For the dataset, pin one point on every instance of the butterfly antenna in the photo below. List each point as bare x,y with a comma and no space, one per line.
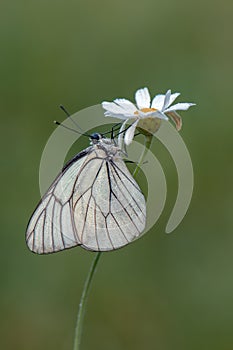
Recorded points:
66,127
123,131
65,110
70,117
114,128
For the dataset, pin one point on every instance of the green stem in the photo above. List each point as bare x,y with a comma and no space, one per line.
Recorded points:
83,301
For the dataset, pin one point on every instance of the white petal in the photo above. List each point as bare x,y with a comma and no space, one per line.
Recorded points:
114,110
173,97
155,114
130,133
127,105
121,134
179,107
142,98
166,100
112,107
113,115
158,102
160,115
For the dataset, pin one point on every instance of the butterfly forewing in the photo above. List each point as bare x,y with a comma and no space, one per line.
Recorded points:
56,231
94,202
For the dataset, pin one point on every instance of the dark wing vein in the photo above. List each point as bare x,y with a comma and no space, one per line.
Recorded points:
108,233
95,226
110,186
53,245
85,217
81,169
126,211
96,205
60,220
89,188
127,177
119,227
115,168
73,224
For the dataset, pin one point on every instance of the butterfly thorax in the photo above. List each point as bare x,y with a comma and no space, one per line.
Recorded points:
108,146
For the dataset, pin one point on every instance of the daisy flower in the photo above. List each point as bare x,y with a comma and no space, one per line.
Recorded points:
146,114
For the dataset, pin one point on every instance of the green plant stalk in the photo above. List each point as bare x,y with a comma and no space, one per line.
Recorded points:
83,301
84,297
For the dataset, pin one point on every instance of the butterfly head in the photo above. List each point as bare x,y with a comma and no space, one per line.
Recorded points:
96,137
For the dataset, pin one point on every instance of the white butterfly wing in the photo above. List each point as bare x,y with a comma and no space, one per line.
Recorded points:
94,203
51,227
109,207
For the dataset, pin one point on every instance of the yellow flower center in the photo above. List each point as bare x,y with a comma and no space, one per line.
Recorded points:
146,110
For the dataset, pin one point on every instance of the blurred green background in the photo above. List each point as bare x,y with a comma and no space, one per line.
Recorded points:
163,292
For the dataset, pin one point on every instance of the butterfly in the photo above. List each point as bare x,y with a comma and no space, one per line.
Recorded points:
94,203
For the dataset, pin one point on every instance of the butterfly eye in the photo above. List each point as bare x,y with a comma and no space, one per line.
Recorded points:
96,136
